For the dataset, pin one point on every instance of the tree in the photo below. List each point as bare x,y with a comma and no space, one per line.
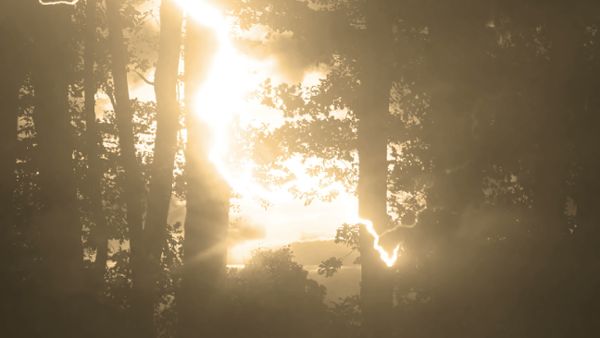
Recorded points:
272,296
134,189
13,70
153,237
94,148
372,110
58,219
359,81
161,180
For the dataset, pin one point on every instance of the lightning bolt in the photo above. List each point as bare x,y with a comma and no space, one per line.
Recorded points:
388,257
243,181
243,184
60,2
220,143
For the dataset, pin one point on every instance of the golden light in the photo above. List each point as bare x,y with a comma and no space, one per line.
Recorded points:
223,96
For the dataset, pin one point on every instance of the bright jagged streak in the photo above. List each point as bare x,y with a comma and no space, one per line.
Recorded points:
222,96
61,2
388,258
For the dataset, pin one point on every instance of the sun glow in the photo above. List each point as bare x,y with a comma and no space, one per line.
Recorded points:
219,104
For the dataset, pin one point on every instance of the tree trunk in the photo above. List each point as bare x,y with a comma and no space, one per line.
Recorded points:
207,208
11,68
9,98
587,184
161,179
455,61
373,114
167,125
550,234
134,189
94,144
58,219
552,164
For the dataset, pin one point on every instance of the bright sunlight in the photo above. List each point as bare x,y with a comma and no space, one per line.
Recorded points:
224,98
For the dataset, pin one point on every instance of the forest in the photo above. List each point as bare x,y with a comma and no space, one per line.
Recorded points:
181,168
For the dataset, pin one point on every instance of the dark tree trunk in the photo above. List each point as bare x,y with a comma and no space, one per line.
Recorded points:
553,155
12,70
58,219
134,189
373,114
161,180
587,184
207,208
456,60
9,99
94,144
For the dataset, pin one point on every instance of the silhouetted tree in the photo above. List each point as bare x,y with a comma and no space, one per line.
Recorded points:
94,147
167,120
13,69
134,188
57,220
273,297
372,110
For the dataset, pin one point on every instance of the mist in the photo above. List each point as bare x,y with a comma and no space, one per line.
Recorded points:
299,169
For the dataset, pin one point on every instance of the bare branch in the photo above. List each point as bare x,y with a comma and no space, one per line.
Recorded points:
145,79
